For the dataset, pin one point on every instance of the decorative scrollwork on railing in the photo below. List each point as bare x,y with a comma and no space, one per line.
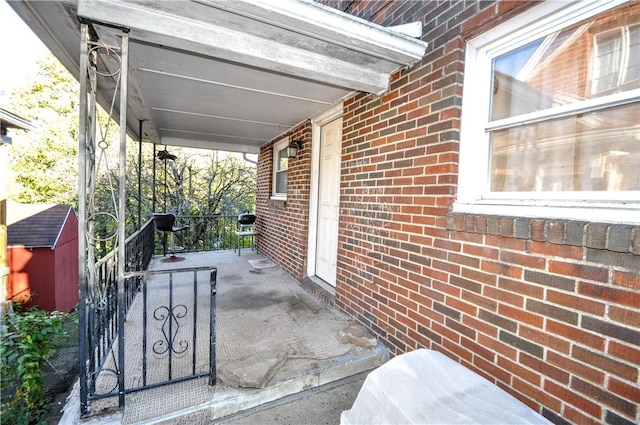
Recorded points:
170,328
105,381
104,288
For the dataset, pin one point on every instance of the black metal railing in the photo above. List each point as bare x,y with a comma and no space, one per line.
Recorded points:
100,334
138,252
205,233
102,306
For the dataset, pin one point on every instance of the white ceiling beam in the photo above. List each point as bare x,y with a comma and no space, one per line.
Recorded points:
210,144
331,25
174,31
219,117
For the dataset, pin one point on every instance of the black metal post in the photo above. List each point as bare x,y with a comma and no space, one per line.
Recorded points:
212,326
169,314
153,202
144,330
164,208
139,224
194,340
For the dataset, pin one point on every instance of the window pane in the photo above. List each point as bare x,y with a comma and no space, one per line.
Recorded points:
283,161
282,178
607,61
633,66
583,61
598,151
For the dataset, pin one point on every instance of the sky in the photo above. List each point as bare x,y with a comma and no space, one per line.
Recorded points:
20,47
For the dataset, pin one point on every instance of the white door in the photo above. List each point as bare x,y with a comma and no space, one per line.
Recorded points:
328,201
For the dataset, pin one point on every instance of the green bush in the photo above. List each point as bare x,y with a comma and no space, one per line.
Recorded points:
27,338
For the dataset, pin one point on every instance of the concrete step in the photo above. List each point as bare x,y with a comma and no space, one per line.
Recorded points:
288,381
295,379
228,403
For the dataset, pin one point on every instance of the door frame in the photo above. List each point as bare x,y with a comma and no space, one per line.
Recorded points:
316,126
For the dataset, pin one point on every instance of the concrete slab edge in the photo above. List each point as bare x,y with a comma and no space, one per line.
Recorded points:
71,412
229,405
359,377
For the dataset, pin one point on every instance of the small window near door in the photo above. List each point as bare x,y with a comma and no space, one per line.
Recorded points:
280,169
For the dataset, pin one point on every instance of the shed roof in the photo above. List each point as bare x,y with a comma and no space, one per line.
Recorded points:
35,225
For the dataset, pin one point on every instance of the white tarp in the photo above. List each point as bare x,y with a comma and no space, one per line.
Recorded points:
427,387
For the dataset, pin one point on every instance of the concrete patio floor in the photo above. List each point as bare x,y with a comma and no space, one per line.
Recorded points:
260,313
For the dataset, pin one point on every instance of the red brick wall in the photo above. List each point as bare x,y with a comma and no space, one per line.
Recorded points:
283,225
547,309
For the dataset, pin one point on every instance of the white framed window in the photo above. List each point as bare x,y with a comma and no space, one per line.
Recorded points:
280,169
550,114
616,58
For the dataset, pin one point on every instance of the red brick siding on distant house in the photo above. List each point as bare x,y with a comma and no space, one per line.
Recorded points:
549,310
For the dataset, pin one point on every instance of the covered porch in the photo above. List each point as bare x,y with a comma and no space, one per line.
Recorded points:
268,331
229,76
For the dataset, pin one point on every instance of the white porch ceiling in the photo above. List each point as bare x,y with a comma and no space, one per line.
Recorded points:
228,75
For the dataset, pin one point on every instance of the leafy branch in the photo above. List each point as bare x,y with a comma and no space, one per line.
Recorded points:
27,340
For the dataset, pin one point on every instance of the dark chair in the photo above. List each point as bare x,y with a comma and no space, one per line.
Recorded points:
246,229
165,222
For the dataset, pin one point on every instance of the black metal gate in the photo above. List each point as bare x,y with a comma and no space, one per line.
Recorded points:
168,335
176,327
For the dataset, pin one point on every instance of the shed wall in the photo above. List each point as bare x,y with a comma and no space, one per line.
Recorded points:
66,266
32,275
49,277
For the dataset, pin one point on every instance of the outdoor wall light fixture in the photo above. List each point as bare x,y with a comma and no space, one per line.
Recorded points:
293,148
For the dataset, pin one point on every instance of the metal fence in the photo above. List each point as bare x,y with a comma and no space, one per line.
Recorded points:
100,331
205,233
99,334
175,323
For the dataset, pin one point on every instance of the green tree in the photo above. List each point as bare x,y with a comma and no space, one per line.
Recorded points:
197,183
211,183
44,164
